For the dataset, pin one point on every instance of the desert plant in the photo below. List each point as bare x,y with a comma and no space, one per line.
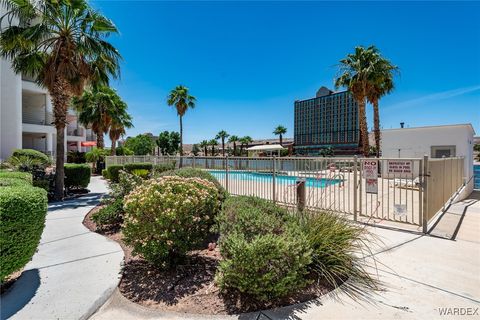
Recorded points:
198,173
129,167
22,218
110,215
142,173
42,158
77,175
168,216
339,252
265,252
126,183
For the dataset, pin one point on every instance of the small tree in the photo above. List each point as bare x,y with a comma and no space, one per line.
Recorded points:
280,131
195,149
213,143
204,144
222,135
141,145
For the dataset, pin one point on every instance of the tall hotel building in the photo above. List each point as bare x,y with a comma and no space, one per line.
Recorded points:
328,120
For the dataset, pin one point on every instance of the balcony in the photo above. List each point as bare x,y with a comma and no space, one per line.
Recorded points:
41,117
75,132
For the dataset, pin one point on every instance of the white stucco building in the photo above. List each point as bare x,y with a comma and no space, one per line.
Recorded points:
26,117
434,141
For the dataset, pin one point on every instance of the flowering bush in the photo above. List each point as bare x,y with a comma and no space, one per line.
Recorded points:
168,216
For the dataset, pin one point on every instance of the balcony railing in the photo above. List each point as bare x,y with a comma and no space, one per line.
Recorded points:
77,132
45,120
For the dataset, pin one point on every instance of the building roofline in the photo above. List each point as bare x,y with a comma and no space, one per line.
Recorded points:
332,94
436,126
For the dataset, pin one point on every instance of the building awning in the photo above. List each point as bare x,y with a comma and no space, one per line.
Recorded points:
266,147
89,143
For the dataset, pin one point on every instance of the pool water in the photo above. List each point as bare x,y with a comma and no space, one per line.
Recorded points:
268,177
476,176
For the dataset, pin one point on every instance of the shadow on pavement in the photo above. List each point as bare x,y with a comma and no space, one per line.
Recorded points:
22,291
87,200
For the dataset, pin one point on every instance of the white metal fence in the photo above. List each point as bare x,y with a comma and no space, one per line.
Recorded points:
367,188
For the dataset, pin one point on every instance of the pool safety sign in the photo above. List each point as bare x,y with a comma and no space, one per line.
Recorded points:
400,168
370,173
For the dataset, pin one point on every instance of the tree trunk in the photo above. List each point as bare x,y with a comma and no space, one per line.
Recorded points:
234,149
213,151
114,142
281,140
363,128
376,127
223,147
61,96
181,142
100,140
205,151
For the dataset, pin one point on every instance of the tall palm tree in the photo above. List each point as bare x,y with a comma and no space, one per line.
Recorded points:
280,131
234,139
380,84
119,123
62,45
204,144
356,71
222,135
213,143
244,141
182,100
97,107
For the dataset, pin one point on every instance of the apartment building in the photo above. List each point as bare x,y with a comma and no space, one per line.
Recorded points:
26,118
328,120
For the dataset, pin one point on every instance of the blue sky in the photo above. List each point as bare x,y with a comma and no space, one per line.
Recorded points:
247,62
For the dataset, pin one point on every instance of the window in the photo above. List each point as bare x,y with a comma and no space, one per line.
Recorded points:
441,151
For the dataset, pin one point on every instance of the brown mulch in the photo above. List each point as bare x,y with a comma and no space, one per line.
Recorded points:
190,287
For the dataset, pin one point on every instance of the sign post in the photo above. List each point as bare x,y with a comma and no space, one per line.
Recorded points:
370,172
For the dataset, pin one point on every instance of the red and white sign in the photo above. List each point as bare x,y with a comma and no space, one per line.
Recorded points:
370,173
400,168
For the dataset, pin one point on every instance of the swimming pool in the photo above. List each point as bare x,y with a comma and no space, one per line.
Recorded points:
476,176
268,177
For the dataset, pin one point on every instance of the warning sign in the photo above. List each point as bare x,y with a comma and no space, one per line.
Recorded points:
400,168
370,173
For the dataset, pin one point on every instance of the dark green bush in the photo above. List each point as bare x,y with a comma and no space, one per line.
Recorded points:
76,157
17,175
339,250
265,266
162,167
113,171
42,183
196,173
13,182
122,151
33,154
265,253
105,173
77,175
22,219
129,167
110,215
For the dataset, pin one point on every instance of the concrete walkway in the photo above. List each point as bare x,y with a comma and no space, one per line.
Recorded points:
74,271
422,277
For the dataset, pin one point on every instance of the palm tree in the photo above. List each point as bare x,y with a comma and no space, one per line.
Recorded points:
244,141
62,45
234,140
222,135
97,107
356,71
380,84
182,100
120,122
280,131
204,144
213,143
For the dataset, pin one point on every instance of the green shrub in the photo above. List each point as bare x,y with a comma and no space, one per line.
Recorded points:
162,167
166,217
142,173
126,183
22,219
110,215
339,248
77,175
251,216
129,167
33,154
266,266
76,157
42,183
17,175
113,171
122,151
105,173
198,173
13,182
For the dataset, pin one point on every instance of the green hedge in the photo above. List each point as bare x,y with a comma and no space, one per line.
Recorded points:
27,176
33,154
162,167
113,171
129,167
13,182
77,175
22,219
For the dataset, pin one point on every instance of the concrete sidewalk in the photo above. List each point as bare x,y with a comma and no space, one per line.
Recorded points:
423,276
74,270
